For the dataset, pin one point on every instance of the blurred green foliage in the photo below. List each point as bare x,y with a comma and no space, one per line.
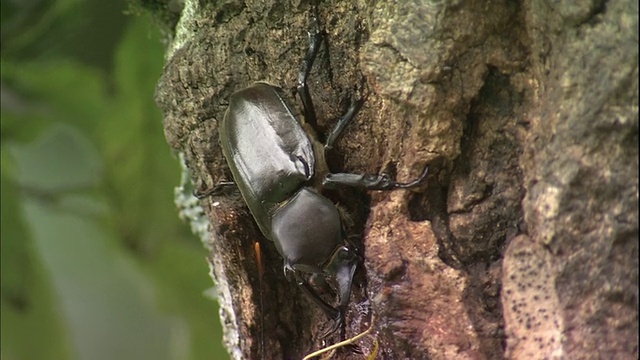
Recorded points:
95,262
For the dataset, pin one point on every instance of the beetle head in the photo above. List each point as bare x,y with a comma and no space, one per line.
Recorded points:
343,265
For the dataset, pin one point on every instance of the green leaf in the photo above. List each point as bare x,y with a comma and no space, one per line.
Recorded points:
62,160
91,240
44,91
107,303
141,170
31,326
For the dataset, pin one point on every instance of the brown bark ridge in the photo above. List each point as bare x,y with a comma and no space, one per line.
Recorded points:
524,242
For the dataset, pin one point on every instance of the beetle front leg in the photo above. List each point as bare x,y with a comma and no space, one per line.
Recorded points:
371,182
315,40
338,129
329,310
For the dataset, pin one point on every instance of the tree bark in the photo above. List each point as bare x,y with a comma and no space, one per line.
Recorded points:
524,243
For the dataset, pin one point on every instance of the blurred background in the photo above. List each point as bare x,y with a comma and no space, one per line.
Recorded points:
95,262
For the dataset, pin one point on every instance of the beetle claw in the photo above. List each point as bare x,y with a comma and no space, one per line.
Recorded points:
337,324
414,183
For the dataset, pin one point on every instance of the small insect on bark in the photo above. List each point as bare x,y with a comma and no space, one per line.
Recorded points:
281,172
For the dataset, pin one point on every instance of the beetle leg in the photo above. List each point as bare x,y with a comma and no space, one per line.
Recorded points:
371,182
220,188
343,122
315,39
331,312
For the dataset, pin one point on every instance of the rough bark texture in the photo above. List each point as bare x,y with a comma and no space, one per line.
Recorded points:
524,243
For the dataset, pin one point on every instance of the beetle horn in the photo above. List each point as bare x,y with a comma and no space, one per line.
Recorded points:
344,277
344,263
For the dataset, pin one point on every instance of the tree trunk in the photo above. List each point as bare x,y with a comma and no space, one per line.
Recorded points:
524,243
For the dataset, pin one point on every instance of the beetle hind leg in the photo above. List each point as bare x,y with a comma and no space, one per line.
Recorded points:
220,188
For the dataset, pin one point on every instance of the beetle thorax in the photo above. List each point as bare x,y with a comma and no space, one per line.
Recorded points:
307,230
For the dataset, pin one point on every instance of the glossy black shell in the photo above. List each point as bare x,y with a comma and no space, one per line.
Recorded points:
269,154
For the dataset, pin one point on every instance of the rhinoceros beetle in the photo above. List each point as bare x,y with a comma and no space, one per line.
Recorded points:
277,163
